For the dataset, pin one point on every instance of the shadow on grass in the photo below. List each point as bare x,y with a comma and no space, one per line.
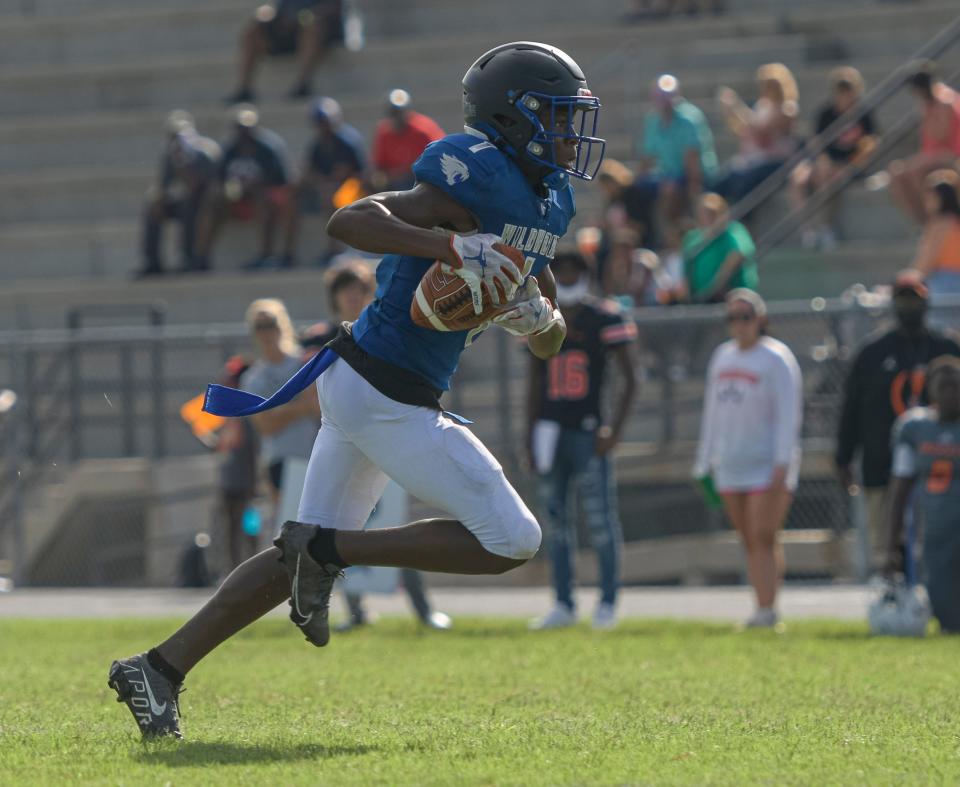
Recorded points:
517,630
845,635
190,753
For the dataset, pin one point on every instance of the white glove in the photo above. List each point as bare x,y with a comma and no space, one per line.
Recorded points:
484,260
529,313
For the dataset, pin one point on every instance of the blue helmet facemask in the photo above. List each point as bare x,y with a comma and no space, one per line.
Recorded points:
571,118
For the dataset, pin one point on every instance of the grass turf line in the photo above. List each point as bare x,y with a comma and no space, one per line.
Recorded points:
489,703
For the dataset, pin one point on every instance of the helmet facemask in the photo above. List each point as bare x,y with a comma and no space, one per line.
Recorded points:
568,118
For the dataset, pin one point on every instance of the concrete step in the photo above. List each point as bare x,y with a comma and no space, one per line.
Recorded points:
94,190
871,215
382,8
165,79
72,133
45,9
118,37
30,302
62,195
122,36
111,250
76,140
195,299
791,272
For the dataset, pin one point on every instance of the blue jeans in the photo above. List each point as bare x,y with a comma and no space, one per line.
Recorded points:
578,472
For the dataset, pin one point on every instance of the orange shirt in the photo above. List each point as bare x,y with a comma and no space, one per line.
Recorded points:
948,255
395,151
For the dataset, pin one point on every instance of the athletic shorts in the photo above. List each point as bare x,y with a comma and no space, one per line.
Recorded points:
366,437
754,480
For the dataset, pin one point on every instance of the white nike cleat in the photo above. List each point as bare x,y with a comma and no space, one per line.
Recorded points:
605,617
560,616
310,582
151,698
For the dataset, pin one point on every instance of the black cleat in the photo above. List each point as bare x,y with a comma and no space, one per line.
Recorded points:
152,699
310,582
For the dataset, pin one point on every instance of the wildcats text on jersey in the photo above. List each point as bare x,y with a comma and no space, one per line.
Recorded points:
531,239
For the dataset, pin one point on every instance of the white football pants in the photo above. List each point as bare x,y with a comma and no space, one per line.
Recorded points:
366,437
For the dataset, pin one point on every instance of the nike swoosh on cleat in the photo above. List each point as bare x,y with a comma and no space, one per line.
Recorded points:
157,710
296,595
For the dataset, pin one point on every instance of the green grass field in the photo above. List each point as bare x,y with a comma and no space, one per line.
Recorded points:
649,703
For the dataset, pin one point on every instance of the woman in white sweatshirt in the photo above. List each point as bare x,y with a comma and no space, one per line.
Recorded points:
750,440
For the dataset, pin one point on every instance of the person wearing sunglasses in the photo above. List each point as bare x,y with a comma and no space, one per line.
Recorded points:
750,441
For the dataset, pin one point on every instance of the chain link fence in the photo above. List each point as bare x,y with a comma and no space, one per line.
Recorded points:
104,483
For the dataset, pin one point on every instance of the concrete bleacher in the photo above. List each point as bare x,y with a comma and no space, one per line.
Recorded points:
87,83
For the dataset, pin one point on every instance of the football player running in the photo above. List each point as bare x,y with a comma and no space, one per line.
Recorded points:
530,124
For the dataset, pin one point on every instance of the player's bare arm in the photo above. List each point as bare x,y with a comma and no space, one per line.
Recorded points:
402,222
547,344
609,436
900,489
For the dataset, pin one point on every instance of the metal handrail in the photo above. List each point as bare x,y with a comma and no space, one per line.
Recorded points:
816,145
786,225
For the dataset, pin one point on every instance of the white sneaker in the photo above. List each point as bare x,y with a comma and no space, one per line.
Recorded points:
560,616
439,621
605,617
764,618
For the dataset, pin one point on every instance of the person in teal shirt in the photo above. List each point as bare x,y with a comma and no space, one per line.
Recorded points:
719,255
677,152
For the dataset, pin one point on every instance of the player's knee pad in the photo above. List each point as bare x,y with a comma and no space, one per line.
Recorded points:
526,537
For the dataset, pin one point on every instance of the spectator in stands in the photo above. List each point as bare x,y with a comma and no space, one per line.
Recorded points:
627,204
398,142
765,130
350,287
570,447
281,27
852,147
926,448
238,441
287,432
677,154
886,378
254,184
939,140
187,171
718,256
657,278
335,160
750,441
938,255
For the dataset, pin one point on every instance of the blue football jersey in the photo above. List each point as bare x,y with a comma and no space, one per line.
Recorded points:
488,183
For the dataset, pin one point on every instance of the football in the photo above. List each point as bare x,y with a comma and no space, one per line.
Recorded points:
443,302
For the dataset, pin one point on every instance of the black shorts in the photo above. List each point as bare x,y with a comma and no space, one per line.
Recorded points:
283,31
275,474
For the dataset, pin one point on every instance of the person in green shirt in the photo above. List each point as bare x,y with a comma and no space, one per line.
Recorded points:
718,256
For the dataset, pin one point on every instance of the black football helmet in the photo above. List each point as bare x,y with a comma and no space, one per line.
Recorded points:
525,96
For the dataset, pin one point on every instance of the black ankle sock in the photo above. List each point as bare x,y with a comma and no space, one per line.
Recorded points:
164,667
323,548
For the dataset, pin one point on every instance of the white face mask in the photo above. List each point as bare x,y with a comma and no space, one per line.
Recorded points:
572,294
